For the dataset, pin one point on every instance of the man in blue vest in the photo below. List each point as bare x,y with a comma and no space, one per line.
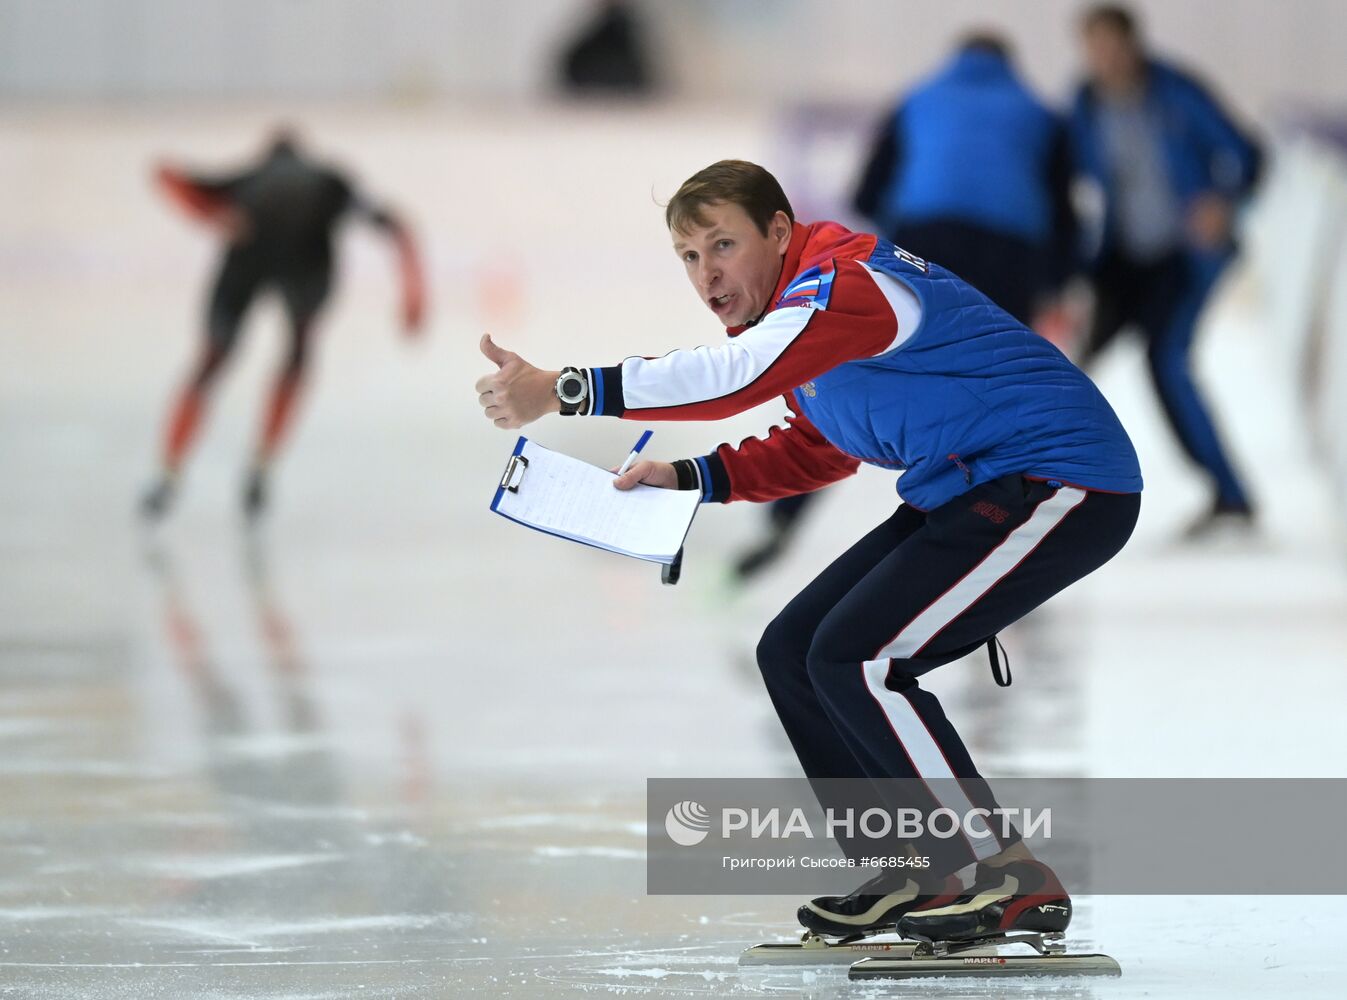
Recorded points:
1017,480
1172,166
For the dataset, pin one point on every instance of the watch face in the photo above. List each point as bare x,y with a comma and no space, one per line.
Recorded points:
572,389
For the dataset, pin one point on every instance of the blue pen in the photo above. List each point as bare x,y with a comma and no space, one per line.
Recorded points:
635,451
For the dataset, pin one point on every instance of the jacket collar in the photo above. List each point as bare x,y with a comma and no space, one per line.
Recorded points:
976,62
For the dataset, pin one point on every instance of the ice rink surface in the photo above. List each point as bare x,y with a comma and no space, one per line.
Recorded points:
394,746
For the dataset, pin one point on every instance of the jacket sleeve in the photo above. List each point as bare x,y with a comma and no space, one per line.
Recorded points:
1233,158
828,317
202,197
790,460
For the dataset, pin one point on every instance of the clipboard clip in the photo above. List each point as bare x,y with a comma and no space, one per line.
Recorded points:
514,473
669,573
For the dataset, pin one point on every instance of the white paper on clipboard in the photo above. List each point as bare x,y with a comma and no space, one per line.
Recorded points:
564,496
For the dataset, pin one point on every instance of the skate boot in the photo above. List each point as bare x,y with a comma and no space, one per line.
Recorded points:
255,494
157,500
1020,896
1222,524
878,904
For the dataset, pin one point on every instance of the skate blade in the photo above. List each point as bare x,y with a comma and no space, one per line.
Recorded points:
819,951
815,950
984,966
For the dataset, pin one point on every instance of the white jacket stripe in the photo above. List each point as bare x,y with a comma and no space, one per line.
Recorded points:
904,303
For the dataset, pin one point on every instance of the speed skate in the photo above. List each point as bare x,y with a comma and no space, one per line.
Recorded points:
882,955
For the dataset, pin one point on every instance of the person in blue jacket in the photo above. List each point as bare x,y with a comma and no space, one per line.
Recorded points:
1172,166
973,170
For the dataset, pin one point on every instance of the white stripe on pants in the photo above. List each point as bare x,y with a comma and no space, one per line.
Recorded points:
925,753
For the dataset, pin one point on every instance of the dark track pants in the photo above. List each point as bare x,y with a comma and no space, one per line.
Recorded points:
841,662
1164,300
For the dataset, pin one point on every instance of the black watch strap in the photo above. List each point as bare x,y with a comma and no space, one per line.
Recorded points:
686,470
571,408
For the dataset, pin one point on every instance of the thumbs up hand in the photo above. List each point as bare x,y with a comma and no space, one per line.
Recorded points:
516,393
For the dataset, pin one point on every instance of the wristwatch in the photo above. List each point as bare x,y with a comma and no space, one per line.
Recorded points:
572,388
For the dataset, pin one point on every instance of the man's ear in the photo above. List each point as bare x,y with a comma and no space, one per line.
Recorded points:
781,230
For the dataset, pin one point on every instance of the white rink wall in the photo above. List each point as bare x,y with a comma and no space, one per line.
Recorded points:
746,50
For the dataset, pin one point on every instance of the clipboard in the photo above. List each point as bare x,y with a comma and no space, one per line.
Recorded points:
562,496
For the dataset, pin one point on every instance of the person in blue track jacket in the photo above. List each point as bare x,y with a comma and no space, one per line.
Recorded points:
972,170
1172,167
